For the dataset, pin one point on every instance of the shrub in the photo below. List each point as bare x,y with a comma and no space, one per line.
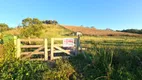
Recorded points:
3,27
62,70
34,30
15,69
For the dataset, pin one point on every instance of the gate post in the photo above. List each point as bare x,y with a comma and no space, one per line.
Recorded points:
77,45
52,49
15,44
18,48
15,41
45,50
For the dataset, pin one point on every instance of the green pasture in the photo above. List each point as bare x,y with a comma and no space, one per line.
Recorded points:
106,58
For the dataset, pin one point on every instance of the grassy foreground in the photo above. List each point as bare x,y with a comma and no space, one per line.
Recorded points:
107,58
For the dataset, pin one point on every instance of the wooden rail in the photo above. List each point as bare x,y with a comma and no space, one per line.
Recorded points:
42,48
57,48
19,46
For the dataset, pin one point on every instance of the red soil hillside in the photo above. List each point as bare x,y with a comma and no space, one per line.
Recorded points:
95,32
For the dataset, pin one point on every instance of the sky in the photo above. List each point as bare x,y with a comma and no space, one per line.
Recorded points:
113,14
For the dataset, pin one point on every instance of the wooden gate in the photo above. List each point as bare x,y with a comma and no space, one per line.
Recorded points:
41,49
59,47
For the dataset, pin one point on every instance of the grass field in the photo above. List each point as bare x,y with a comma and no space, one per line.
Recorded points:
123,42
97,32
107,58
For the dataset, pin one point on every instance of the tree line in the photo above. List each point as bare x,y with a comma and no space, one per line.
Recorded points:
30,21
138,31
50,22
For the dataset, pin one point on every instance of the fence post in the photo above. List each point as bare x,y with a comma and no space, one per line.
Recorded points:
77,44
45,49
18,48
52,48
15,41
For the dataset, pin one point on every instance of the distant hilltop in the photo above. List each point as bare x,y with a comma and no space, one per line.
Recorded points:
96,32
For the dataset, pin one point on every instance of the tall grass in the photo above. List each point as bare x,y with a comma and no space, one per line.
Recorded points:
107,58
100,64
15,69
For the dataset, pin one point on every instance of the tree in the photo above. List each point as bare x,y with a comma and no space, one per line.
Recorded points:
133,31
50,22
3,27
108,29
36,21
27,22
93,27
32,27
33,30
54,22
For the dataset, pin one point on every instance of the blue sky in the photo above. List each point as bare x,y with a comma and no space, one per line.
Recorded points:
114,14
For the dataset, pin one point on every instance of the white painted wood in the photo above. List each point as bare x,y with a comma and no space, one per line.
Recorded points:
45,49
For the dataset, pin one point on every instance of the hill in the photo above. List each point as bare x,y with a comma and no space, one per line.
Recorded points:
48,30
117,58
96,32
51,30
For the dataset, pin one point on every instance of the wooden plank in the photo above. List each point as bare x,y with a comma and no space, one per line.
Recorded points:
58,51
82,48
58,38
34,40
58,44
62,50
58,57
27,53
61,45
36,51
31,46
45,50
40,59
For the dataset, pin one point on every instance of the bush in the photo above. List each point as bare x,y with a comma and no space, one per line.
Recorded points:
15,69
34,30
62,70
9,50
3,27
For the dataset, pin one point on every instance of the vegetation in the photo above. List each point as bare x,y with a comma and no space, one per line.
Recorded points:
133,31
50,22
29,21
107,62
3,27
32,27
107,57
95,32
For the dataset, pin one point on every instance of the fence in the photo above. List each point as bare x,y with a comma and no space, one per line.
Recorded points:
64,47
43,49
37,48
